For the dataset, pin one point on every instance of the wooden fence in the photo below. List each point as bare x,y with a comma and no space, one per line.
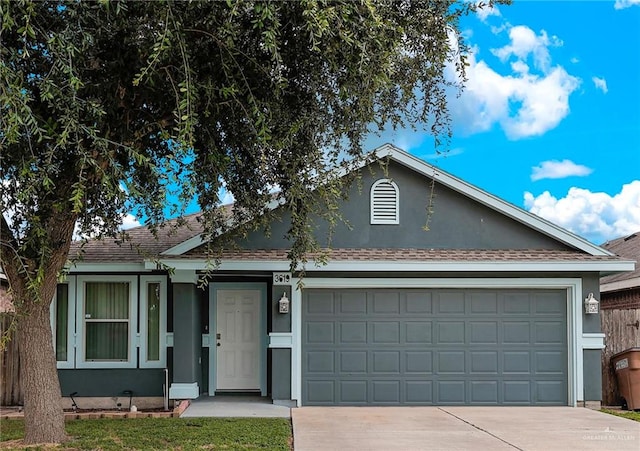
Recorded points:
620,334
10,389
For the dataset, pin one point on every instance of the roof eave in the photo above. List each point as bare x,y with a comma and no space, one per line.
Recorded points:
401,266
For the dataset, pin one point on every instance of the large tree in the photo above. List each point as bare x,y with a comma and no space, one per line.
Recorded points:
106,108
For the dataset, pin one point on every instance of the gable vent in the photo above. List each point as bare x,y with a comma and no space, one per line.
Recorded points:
385,202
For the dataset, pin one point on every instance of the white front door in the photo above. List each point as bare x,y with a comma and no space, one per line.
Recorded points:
238,340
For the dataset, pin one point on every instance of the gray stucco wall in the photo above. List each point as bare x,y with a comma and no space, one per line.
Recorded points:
187,337
101,382
592,360
457,222
281,374
280,358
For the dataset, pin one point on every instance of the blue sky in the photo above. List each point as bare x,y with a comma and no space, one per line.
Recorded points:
550,117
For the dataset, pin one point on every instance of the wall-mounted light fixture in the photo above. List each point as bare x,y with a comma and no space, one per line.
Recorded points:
591,305
283,304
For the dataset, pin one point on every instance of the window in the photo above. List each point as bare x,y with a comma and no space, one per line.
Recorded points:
94,321
63,323
107,322
106,316
153,321
385,202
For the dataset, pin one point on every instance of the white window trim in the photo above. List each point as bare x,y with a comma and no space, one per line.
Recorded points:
371,202
71,323
162,362
133,321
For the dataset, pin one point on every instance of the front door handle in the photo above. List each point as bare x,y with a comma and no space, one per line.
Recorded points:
217,344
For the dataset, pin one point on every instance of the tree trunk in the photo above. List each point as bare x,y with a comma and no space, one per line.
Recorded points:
43,414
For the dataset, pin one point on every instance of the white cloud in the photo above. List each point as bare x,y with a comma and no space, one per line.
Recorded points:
622,4
575,60
596,216
522,103
600,83
524,41
554,169
485,11
129,221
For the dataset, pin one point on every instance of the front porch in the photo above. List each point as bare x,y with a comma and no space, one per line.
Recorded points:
234,406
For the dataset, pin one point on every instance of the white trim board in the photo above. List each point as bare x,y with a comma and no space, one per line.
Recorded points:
403,266
576,342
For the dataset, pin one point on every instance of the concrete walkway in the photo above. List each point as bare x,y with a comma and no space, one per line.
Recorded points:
236,407
461,428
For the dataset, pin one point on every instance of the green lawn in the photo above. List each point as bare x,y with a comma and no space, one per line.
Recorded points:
165,433
630,414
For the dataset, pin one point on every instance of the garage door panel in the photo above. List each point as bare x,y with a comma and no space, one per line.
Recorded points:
516,332
483,362
431,347
353,391
548,391
516,304
320,332
354,362
385,392
320,362
451,362
484,392
517,392
418,332
547,304
549,362
483,332
418,362
320,302
353,303
450,332
353,332
321,392
418,303
451,303
386,362
450,392
387,332
385,303
483,303
516,362
549,332
418,392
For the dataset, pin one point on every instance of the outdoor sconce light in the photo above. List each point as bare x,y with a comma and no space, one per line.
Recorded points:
591,304
283,304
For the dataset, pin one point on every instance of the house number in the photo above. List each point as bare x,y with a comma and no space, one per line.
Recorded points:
282,278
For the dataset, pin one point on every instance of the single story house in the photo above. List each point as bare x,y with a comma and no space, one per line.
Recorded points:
484,308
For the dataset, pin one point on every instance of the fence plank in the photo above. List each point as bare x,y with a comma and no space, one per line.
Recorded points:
10,388
618,337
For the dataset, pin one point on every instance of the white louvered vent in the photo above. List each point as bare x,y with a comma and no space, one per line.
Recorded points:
385,201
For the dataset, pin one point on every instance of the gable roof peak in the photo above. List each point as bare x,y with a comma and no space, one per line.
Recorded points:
514,212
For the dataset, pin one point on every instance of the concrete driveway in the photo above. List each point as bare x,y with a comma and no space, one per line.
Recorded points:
461,428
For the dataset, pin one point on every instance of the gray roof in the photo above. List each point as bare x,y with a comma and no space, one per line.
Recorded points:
138,243
627,247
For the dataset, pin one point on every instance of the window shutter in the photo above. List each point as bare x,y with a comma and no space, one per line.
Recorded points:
385,203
